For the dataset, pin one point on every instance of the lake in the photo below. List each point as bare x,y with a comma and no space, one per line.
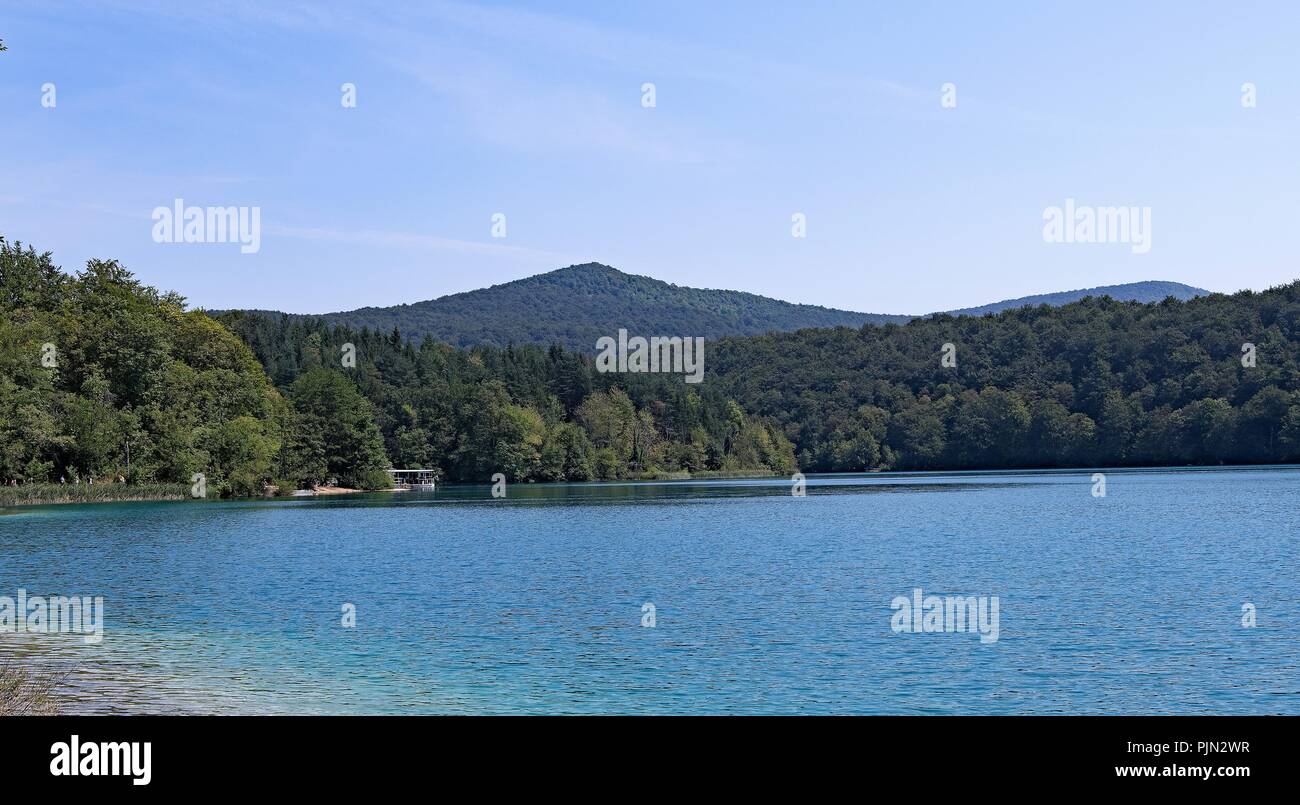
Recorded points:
763,602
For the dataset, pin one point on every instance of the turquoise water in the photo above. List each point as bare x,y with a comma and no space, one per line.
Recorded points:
764,602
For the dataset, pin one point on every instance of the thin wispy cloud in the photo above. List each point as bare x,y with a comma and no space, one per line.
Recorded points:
417,241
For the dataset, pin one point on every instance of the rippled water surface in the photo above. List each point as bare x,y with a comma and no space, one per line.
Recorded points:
764,602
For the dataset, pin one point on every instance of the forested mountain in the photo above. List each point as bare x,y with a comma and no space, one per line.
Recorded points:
102,377
575,306
1096,382
1093,383
1151,291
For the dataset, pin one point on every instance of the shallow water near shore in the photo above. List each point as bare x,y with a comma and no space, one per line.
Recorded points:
763,602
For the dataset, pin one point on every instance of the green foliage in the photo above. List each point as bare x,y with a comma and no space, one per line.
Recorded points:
1094,383
104,378
284,487
532,414
141,391
343,439
87,493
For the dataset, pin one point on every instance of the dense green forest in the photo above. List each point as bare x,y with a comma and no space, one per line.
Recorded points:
1094,383
533,414
102,377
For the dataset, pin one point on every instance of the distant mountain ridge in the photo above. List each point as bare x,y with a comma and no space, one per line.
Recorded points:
1149,291
576,305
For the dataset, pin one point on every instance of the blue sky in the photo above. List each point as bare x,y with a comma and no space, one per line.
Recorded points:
762,110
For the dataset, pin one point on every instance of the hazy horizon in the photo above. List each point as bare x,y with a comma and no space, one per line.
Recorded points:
916,197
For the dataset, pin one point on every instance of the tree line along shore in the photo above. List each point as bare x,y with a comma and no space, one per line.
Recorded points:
105,378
